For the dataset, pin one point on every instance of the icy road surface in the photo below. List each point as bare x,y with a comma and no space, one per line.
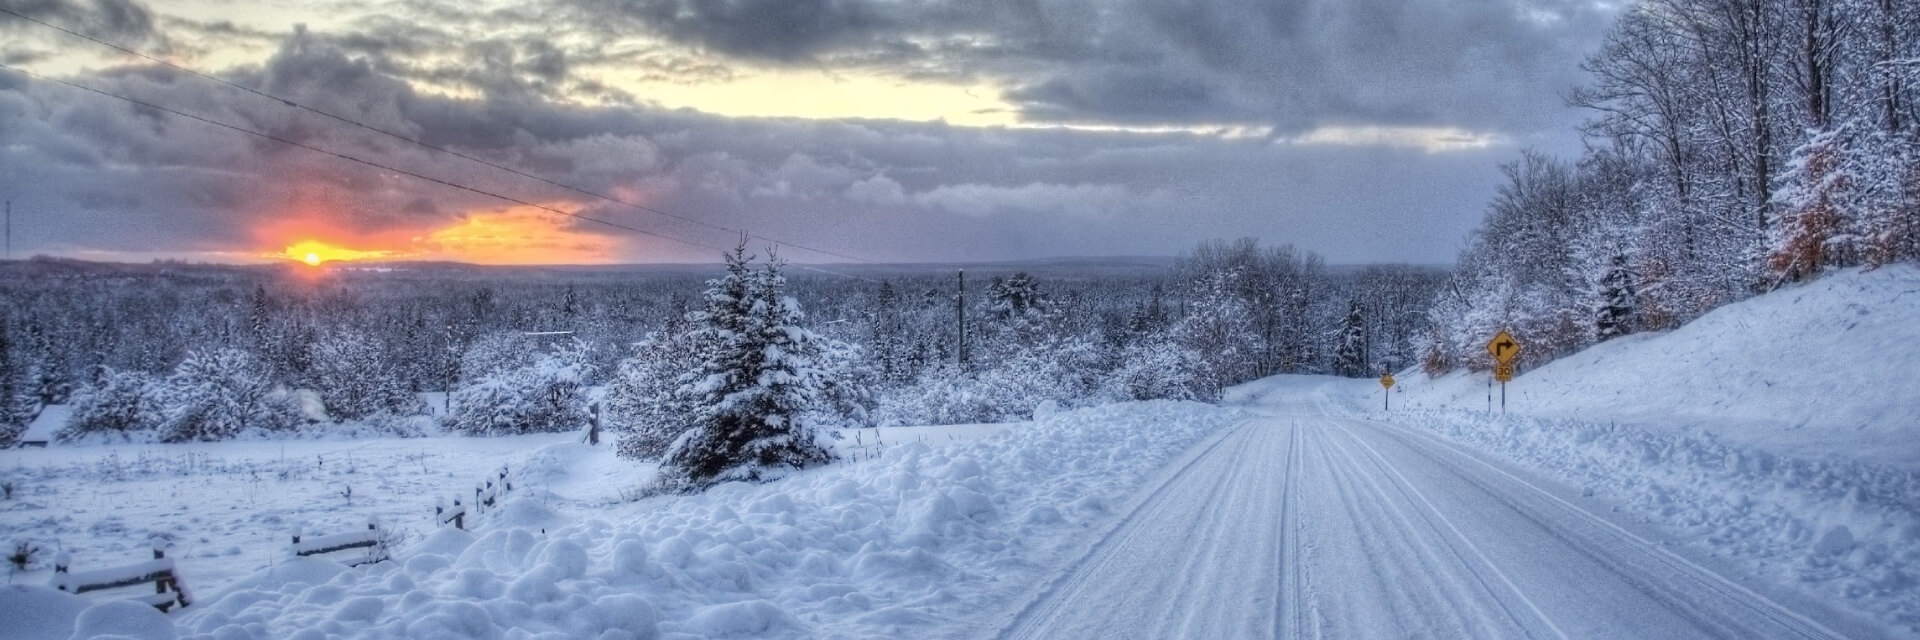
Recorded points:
1305,526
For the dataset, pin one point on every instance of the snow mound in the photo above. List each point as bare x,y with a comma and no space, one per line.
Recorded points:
39,612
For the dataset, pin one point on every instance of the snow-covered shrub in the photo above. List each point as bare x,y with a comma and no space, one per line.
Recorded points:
1068,373
217,394
496,352
1159,370
25,555
646,400
116,403
762,375
548,395
846,393
356,380
942,395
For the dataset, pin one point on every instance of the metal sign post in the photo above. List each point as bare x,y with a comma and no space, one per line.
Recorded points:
1386,391
1503,348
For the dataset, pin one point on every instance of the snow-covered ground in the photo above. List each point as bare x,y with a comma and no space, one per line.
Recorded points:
1781,433
1819,370
922,533
1748,475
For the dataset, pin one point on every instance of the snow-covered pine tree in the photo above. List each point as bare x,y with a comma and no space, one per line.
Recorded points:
761,376
890,350
1350,358
13,422
1014,296
1614,318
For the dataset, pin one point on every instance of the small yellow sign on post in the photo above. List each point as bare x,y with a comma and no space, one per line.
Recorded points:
1386,380
1503,372
1503,347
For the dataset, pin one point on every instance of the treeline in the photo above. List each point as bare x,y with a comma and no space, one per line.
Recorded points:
1735,146
184,352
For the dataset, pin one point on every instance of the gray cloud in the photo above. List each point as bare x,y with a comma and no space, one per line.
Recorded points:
1294,64
120,20
106,175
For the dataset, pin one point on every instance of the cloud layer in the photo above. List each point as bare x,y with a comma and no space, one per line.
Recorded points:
1378,125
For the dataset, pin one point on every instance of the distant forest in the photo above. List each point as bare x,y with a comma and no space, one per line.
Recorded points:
137,344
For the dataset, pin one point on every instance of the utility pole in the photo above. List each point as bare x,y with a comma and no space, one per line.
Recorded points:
9,229
960,309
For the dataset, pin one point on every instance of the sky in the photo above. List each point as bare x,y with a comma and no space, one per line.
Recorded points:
632,131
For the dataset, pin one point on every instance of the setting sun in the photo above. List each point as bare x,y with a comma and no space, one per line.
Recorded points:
314,252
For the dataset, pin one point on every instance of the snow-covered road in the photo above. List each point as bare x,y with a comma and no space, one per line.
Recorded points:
1299,525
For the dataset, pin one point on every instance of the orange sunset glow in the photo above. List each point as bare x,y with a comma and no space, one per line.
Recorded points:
509,236
314,252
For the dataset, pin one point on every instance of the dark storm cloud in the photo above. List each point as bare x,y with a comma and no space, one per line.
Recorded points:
784,30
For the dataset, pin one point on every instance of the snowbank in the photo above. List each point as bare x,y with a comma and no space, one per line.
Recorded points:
1781,431
1821,370
922,540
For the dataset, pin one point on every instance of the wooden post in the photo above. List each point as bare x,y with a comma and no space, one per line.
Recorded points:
593,430
960,308
160,586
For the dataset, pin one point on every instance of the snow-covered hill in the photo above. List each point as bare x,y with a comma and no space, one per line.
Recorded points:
1820,370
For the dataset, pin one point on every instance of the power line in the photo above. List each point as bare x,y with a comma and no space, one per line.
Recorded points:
354,159
427,145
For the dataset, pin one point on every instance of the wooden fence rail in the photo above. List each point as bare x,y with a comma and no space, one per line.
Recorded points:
366,543
486,495
167,586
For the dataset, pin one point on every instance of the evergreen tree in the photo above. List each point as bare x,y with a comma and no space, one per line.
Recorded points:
1350,359
1014,297
13,421
1615,316
762,374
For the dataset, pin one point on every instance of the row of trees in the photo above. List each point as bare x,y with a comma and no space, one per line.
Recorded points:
356,348
1735,146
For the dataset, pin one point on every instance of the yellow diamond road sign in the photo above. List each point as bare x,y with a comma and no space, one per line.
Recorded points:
1503,347
1386,380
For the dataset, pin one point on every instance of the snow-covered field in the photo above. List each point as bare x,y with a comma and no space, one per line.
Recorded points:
927,531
